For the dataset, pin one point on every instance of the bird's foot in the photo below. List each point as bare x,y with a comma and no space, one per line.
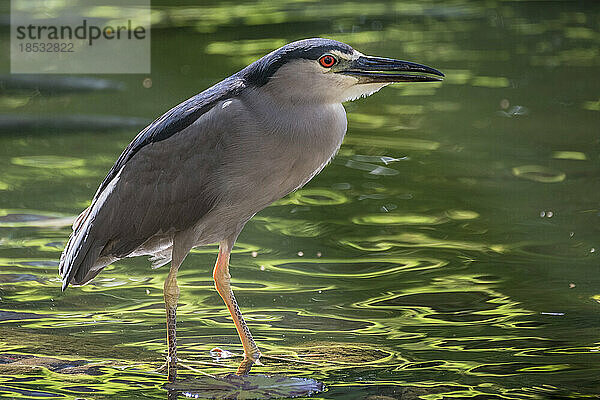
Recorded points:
247,363
163,368
196,370
170,368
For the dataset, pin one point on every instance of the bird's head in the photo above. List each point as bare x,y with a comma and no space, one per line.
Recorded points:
328,71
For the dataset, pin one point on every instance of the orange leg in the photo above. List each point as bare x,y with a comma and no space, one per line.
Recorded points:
222,283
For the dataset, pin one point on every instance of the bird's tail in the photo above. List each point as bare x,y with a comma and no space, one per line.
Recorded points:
78,259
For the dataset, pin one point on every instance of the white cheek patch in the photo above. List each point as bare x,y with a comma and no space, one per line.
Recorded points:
306,80
346,56
362,90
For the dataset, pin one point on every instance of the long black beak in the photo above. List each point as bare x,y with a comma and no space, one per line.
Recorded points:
387,70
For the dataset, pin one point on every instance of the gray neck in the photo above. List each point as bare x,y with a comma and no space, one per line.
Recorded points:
321,124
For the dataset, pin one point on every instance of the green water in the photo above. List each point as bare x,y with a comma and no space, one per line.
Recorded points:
451,250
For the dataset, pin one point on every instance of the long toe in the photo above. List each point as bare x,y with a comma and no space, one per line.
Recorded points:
162,369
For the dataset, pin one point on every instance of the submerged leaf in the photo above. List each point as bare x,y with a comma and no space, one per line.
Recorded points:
538,173
246,387
569,155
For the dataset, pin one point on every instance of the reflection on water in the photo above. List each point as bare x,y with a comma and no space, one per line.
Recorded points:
449,251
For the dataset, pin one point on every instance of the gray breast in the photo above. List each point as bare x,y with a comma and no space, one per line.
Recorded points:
268,153
213,176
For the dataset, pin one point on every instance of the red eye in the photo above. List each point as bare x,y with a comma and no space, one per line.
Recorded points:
327,60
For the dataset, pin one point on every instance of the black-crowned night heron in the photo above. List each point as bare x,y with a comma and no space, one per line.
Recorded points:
198,173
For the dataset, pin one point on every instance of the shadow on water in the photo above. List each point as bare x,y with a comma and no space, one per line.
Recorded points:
449,251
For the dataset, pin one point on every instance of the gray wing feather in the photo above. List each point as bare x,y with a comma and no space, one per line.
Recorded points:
163,181
174,121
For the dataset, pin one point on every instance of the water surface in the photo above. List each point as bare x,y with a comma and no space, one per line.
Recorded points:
450,250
